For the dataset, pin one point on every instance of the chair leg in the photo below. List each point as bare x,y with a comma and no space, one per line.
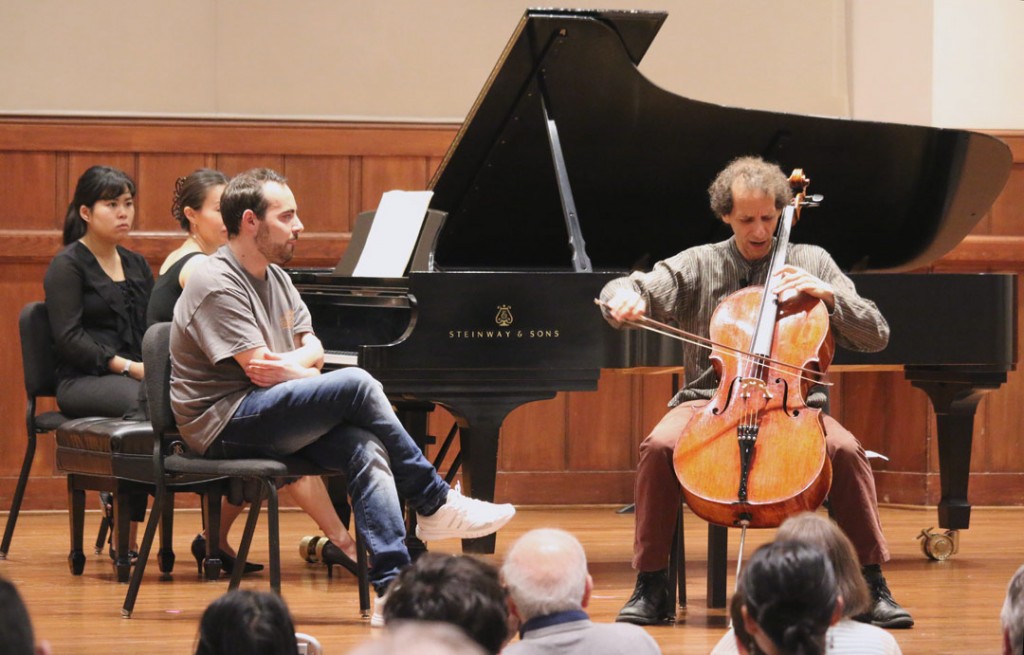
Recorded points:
159,501
165,557
363,574
76,518
718,563
19,493
122,535
273,537
242,555
106,524
211,512
677,563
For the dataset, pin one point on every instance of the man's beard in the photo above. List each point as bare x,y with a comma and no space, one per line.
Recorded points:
275,253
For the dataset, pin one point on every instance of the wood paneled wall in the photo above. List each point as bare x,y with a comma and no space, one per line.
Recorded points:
576,448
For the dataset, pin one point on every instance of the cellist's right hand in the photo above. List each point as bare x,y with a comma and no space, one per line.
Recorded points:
626,305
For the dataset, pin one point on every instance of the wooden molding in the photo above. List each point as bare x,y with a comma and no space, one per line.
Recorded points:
256,137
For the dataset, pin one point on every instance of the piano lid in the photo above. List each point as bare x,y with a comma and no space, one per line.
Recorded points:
639,161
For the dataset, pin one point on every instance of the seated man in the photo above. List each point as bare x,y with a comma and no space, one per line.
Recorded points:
549,588
452,589
685,290
246,382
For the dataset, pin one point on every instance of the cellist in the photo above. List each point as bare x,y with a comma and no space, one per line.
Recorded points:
684,290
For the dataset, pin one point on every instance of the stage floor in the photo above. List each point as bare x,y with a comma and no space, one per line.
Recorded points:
955,603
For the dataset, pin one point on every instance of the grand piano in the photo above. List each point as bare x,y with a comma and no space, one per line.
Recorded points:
572,168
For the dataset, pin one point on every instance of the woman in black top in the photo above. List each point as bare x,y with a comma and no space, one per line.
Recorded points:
196,207
96,297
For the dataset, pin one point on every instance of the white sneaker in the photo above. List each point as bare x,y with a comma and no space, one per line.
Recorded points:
377,618
463,518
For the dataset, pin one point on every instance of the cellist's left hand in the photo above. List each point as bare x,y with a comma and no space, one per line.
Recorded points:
792,279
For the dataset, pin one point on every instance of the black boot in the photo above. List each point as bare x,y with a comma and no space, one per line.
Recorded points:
884,612
649,604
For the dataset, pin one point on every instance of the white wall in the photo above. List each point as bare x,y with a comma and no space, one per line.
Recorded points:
948,63
891,60
385,59
979,64
945,62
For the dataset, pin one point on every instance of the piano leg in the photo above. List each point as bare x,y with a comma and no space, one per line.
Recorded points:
955,396
479,445
479,421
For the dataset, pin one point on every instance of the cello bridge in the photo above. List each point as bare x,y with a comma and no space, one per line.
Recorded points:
751,387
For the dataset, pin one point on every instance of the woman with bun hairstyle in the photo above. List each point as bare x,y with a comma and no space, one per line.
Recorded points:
790,598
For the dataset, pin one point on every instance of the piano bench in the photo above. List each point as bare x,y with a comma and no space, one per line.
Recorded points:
112,455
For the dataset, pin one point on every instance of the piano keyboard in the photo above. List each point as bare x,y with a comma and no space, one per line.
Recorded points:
341,358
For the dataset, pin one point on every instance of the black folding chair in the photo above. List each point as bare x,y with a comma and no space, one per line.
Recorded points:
40,372
174,465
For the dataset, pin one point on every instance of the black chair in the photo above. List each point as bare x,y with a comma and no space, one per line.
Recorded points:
174,465
40,372
718,560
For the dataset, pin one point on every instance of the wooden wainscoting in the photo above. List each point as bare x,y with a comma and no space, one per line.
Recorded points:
335,169
576,448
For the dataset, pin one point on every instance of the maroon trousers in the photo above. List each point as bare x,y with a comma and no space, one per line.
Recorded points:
852,496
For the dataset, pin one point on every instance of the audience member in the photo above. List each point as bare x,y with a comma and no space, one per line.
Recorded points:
847,635
790,598
421,638
737,635
549,588
16,635
247,623
454,589
1012,616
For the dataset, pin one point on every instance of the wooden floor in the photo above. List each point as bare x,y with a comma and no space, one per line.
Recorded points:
955,603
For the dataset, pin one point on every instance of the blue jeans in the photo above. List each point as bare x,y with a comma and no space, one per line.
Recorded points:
343,422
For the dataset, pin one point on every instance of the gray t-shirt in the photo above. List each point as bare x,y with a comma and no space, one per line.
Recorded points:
222,312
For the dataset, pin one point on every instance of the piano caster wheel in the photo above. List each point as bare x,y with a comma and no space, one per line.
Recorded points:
939,547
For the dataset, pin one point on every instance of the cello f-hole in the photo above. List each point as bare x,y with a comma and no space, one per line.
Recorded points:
728,399
785,398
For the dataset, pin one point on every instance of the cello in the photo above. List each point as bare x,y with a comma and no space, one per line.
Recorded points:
755,453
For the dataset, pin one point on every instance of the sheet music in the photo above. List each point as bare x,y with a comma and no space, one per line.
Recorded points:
392,238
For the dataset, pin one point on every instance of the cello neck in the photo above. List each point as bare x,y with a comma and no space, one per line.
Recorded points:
762,340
